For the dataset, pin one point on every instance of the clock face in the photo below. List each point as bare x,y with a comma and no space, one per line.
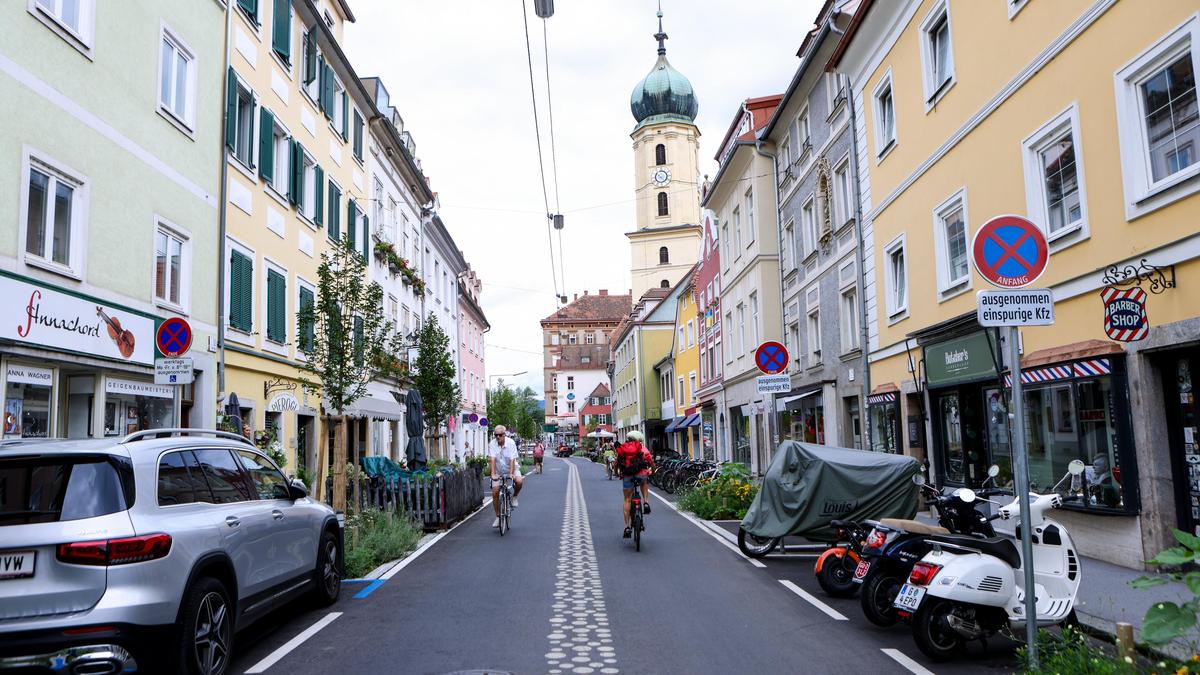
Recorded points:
662,177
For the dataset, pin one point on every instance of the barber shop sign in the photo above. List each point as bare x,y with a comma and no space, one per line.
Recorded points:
1125,317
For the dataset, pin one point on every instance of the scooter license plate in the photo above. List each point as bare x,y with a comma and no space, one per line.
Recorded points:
860,572
909,597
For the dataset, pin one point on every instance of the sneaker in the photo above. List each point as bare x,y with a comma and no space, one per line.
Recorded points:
628,533
646,508
515,504
496,523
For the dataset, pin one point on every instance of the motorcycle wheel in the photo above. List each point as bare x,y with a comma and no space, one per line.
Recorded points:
837,576
934,637
878,593
755,546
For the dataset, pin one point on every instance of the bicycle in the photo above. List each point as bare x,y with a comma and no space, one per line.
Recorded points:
635,517
506,491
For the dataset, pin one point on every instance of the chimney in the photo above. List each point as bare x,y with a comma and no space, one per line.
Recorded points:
576,296
585,292
603,291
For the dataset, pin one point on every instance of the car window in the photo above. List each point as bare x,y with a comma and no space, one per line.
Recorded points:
225,477
268,482
181,480
52,489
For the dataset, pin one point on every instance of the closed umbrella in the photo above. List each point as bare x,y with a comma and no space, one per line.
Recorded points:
414,424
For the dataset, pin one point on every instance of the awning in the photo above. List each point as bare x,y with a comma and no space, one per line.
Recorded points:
372,408
790,402
692,421
675,424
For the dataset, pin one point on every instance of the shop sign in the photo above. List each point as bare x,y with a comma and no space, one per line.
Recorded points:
959,360
50,318
18,374
1125,318
173,371
285,402
115,385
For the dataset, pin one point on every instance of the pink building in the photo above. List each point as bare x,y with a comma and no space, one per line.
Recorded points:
711,395
472,324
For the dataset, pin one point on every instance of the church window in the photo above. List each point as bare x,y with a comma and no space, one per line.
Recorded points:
662,204
660,154
663,256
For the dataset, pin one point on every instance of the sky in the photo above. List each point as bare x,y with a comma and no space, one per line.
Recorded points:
458,72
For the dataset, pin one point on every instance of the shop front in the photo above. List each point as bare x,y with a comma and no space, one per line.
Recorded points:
1180,374
708,436
883,414
956,371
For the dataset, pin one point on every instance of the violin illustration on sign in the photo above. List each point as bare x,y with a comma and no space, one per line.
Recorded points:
122,337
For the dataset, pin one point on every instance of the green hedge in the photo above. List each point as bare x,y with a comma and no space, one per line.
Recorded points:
727,496
375,537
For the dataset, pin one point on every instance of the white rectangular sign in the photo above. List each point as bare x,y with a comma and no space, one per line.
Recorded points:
1025,307
773,384
18,374
114,385
173,371
47,317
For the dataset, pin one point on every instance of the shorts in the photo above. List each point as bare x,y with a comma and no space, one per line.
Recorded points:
629,481
537,460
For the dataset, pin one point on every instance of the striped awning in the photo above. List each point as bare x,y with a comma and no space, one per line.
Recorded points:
1089,368
691,421
675,424
886,397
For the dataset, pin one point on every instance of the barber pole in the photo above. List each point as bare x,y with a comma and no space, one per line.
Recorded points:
1125,317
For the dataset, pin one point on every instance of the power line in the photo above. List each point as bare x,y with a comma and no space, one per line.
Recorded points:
513,349
553,152
537,131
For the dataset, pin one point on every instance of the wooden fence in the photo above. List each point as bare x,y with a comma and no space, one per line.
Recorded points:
436,499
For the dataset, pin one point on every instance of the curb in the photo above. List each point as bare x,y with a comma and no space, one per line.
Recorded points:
382,569
1106,629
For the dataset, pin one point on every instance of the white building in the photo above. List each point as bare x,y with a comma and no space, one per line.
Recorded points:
441,265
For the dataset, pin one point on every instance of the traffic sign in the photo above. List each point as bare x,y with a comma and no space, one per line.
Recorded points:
173,371
173,337
771,357
773,384
1125,317
1025,307
1010,251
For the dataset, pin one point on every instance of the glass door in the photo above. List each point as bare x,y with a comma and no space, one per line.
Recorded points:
950,429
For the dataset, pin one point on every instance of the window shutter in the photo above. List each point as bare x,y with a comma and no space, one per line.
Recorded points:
250,7
319,195
276,305
358,135
335,212
345,103
294,160
351,221
366,240
310,57
253,111
358,341
230,109
281,29
323,90
241,299
266,143
307,332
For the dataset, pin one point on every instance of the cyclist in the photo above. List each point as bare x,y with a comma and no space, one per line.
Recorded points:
635,463
502,456
609,458
539,451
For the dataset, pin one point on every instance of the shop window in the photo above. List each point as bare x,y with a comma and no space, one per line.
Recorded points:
885,426
131,406
27,402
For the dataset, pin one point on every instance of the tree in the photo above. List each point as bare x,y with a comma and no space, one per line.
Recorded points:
436,376
344,338
516,409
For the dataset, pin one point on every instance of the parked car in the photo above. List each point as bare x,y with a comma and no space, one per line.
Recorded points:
563,451
150,552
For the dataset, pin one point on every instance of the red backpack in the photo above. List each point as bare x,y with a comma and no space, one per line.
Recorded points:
631,458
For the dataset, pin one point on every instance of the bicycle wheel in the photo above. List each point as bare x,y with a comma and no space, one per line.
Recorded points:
637,531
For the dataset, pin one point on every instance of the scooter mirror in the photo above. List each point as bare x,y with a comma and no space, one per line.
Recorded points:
919,479
994,470
965,494
1075,467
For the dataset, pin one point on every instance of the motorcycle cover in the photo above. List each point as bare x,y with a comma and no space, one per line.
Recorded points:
808,485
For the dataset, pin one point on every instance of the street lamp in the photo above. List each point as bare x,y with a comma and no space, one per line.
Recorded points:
504,375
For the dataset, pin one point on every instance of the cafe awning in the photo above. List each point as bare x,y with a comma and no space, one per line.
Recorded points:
675,424
372,408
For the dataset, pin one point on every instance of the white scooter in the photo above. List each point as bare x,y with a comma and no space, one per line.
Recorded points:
967,588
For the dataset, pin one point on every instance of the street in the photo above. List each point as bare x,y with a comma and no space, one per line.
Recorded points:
562,592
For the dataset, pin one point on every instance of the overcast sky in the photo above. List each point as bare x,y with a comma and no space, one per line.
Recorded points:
457,72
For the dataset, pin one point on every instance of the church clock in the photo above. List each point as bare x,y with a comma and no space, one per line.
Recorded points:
662,177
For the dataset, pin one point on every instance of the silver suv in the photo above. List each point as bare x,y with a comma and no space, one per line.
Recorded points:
111,550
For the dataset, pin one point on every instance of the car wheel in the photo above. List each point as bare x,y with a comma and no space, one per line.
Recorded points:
206,630
327,580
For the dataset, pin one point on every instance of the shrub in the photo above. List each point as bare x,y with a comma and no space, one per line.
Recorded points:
380,537
479,461
728,495
1070,651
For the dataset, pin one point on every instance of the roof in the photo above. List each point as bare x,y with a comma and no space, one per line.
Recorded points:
600,307
848,35
664,95
582,357
761,109
600,390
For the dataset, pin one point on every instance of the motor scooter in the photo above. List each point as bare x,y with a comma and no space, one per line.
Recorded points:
969,588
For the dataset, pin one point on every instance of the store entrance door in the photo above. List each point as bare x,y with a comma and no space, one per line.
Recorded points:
1180,375
959,426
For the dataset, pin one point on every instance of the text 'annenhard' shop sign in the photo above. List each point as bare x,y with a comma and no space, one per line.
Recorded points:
47,317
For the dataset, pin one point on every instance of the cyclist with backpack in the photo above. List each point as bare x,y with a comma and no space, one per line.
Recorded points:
635,463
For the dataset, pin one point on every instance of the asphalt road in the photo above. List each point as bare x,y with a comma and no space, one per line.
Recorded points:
562,592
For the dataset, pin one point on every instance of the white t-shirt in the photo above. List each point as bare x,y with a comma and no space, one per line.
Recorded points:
503,454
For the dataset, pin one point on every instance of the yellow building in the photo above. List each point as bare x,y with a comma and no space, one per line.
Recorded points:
1082,116
685,428
295,183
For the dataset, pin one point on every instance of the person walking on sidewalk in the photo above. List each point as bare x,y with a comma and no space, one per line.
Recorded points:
503,458
635,463
539,451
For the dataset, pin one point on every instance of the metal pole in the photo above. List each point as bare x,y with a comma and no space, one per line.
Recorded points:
1016,416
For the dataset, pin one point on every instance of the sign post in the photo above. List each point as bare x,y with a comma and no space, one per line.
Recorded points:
173,338
1010,252
772,358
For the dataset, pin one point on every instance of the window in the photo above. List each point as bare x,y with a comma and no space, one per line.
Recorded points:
55,213
896,281
177,80
789,247
268,482
750,215
1054,185
691,334
311,200
180,480
358,137
660,154
311,67
664,256
570,406
275,155
554,338
682,339
571,339
338,109
691,386
814,336
241,290
808,221
833,90
950,235
804,133
250,9
590,339
937,53
737,231
885,116
239,122
843,203
168,266
849,312
276,306
334,216
741,315
793,341
725,241
680,398
665,283
785,159
662,204
754,319
226,481
570,383
71,19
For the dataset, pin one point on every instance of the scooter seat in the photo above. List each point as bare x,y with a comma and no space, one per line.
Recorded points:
1000,547
912,526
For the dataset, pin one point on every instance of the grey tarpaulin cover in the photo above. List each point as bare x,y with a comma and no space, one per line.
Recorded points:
414,424
808,485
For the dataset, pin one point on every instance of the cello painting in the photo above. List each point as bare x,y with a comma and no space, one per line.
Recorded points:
121,336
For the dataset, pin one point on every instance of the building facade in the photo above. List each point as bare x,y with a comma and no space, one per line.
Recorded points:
597,409
744,209
443,265
714,429
1107,168
473,324
112,185
640,342
684,431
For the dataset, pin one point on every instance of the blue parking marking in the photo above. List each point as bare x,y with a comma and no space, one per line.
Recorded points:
369,589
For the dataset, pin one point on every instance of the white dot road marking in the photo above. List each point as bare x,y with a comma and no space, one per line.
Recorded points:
704,529
912,666
290,645
829,611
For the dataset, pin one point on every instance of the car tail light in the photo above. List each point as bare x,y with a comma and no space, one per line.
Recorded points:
923,573
876,539
116,551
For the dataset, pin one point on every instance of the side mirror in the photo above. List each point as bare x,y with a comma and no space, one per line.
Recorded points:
298,489
994,470
965,494
1075,467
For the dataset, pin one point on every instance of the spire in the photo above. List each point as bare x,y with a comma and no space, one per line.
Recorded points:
660,35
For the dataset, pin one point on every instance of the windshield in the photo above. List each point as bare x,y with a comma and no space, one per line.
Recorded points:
52,489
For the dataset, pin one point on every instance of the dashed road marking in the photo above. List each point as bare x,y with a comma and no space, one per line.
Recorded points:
290,645
812,600
903,659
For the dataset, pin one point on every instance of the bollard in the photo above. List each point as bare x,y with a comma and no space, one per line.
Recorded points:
1125,644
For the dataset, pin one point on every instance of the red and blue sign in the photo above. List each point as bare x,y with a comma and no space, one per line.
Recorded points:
1010,251
1125,318
771,357
173,337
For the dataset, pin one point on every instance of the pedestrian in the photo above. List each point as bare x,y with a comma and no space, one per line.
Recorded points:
538,451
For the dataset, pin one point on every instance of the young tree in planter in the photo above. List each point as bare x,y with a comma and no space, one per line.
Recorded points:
345,339
436,376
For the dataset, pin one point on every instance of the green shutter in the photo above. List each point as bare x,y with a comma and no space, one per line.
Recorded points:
326,89
266,142
241,291
358,135
230,109
366,240
250,147
358,341
310,57
281,29
251,8
319,196
276,307
335,212
294,159
307,332
351,221
345,103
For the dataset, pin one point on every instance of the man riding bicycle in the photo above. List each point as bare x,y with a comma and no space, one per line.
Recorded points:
609,458
635,463
503,457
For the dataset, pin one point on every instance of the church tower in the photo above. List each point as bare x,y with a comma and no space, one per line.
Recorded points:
666,168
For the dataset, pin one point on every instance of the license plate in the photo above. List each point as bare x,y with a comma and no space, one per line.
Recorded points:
909,597
860,572
17,564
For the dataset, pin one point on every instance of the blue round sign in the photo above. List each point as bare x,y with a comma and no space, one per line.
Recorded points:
173,337
483,421
570,397
771,357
